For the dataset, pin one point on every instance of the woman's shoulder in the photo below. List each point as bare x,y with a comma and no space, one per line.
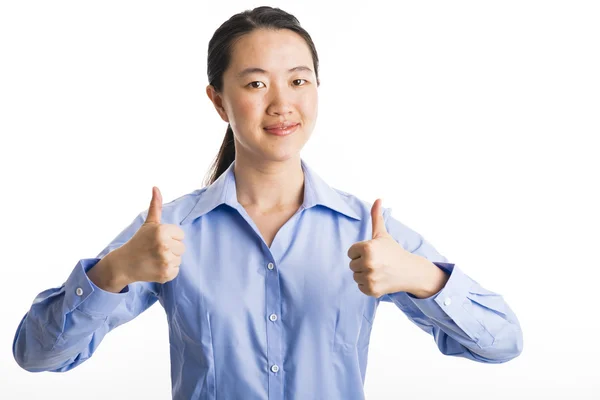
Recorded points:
361,207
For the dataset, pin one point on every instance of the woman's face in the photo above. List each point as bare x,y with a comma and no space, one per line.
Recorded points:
270,80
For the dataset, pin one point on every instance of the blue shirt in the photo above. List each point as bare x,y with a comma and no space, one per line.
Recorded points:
253,322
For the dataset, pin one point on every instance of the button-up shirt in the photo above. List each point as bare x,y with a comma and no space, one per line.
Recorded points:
256,322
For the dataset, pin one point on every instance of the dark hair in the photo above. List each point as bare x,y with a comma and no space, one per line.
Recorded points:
219,56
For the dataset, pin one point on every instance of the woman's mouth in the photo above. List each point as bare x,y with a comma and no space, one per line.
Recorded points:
282,130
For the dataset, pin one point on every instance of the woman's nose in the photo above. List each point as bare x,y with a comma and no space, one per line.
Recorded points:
281,102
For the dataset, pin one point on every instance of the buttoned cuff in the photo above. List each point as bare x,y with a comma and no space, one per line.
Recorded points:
82,294
451,303
448,301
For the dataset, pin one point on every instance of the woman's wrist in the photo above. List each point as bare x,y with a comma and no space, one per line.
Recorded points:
108,274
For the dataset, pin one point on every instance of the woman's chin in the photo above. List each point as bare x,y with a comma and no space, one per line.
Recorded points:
283,153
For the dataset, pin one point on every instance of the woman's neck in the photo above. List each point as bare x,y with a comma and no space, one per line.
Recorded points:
267,185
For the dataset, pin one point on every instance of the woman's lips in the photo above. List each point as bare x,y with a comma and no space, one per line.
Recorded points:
282,131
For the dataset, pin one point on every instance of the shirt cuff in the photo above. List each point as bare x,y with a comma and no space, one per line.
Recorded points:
448,301
82,294
448,304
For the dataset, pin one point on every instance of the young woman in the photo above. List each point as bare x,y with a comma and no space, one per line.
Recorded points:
269,277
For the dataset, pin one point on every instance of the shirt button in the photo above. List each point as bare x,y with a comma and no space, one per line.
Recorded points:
270,266
273,317
79,291
274,368
447,301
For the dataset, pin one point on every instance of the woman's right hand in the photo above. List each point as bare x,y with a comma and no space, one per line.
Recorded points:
154,252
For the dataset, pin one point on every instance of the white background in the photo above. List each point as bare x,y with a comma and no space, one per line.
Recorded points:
476,121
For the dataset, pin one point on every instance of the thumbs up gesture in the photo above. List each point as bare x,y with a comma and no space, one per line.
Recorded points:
381,265
154,253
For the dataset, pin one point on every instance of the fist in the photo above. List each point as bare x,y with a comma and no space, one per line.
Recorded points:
154,253
381,265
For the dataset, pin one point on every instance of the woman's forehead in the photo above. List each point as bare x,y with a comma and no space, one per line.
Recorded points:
270,50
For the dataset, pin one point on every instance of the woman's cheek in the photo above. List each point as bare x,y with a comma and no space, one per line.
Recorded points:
248,108
309,103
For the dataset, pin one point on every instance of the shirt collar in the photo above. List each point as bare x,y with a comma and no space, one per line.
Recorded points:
223,191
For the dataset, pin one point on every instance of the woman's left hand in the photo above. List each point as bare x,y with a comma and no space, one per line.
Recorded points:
382,266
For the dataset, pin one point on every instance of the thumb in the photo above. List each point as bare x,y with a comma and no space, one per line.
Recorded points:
155,210
378,221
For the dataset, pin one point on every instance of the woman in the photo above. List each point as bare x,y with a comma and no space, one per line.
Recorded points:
270,278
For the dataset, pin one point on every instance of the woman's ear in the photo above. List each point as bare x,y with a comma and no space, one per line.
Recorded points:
217,101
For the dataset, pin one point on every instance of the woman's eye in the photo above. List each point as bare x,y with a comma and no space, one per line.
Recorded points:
257,84
254,84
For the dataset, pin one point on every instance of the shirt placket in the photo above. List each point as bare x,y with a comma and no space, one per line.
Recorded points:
274,332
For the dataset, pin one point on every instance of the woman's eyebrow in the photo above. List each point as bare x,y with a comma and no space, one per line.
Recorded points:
255,70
